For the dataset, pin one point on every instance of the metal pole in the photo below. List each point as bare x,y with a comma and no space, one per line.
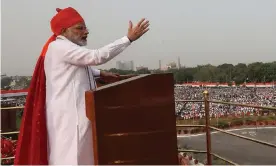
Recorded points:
217,121
208,135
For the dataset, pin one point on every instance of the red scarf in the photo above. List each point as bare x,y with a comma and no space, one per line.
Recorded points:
32,142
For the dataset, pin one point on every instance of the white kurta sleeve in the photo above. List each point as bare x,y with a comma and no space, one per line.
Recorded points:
82,56
96,72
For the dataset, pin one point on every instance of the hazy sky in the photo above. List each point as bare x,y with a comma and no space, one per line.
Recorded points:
198,31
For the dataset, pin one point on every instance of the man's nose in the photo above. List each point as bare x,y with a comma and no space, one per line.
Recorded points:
86,32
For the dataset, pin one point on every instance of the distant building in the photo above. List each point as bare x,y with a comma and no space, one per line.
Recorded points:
179,64
13,83
141,68
172,65
164,68
128,65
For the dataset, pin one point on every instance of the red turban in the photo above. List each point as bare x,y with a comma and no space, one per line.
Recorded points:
64,19
32,140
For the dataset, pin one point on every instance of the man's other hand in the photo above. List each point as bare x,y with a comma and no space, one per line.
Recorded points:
139,30
107,76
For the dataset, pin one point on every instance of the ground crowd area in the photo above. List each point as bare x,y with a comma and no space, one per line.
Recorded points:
254,96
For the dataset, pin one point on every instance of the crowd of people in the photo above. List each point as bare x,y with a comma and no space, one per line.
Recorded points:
13,101
18,101
189,110
254,96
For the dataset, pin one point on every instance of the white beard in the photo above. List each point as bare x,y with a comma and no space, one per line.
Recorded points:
81,43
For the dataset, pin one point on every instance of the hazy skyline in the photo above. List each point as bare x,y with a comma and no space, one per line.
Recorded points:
198,31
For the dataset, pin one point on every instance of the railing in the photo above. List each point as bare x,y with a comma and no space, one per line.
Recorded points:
207,127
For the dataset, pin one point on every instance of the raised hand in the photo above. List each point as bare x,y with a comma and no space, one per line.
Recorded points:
139,30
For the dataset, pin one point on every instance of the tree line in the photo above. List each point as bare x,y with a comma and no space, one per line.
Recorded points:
225,73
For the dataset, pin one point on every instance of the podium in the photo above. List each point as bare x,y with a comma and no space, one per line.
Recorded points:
133,121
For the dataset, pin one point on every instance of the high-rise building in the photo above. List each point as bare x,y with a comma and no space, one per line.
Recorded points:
128,65
131,65
179,64
160,65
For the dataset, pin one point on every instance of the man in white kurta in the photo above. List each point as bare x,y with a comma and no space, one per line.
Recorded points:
68,75
67,80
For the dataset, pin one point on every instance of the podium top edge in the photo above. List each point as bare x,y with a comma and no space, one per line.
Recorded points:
129,79
122,81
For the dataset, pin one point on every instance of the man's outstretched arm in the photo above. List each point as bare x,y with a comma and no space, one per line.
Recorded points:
81,56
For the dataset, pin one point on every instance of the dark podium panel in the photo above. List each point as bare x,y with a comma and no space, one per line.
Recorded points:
134,121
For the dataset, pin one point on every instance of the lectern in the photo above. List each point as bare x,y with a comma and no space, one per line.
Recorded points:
133,121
